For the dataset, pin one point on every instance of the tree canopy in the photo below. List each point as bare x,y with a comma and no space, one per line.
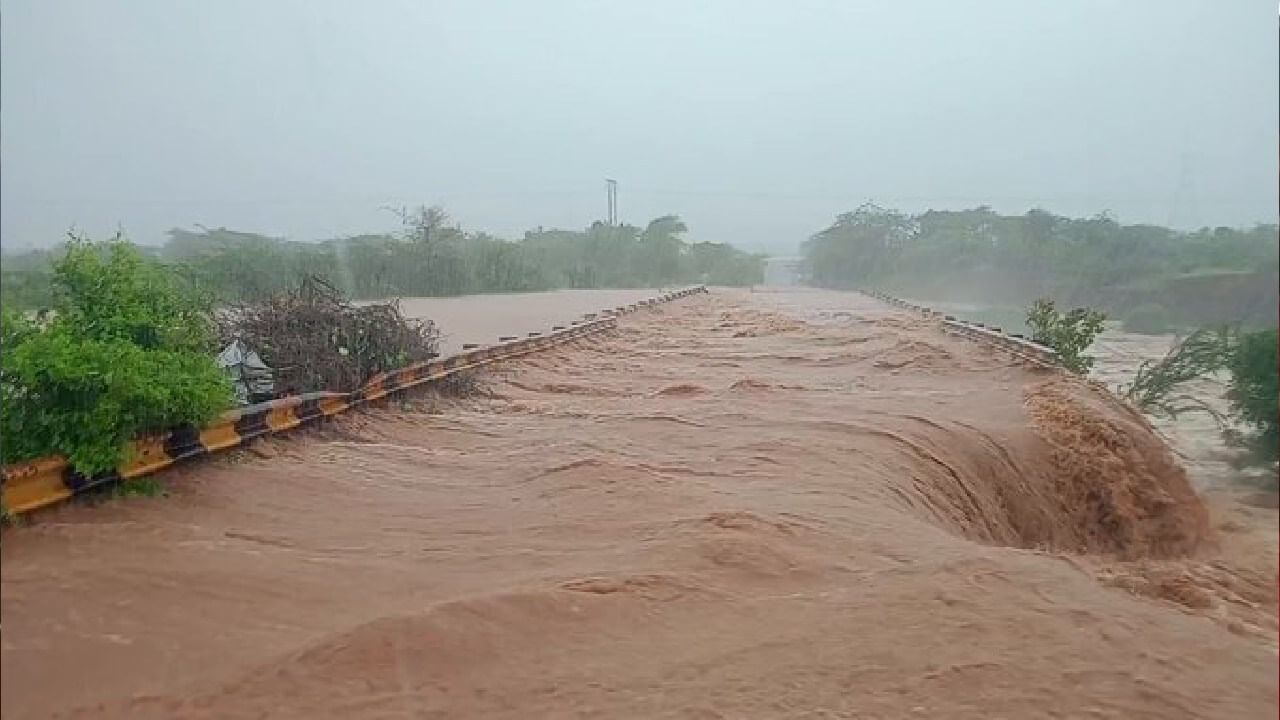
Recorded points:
431,255
982,256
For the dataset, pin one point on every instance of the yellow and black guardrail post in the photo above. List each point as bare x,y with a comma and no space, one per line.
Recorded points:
1011,343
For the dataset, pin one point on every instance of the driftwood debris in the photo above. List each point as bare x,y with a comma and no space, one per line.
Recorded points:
315,339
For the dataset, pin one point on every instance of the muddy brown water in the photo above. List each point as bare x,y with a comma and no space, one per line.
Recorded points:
482,319
1195,436
798,504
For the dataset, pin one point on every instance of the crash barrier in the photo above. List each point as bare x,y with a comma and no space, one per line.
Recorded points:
38,483
1012,343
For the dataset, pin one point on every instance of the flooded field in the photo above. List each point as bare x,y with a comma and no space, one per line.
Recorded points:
748,504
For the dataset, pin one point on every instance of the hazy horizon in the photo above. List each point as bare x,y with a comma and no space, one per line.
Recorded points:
756,123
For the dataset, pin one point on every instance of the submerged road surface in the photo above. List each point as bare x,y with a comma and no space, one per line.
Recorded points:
737,505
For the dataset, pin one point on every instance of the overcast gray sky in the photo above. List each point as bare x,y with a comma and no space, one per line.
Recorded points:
756,121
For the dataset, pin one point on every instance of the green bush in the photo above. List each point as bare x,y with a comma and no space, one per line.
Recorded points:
129,350
1156,386
109,291
1148,319
1253,391
1070,334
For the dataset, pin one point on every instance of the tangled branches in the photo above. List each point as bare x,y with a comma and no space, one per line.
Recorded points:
1155,384
316,340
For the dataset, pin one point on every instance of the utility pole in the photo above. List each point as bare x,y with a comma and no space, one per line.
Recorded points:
611,190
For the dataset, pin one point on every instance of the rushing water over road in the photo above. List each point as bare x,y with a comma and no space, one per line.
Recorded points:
796,504
483,318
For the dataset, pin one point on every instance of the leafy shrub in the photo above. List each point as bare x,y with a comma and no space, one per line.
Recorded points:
1147,319
109,291
1070,334
1253,391
128,351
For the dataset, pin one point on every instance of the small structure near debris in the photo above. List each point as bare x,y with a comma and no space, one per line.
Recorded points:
251,378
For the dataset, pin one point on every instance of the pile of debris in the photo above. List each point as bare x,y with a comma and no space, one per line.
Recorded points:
312,338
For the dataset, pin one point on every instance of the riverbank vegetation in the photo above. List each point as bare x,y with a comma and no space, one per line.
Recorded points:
1153,278
1254,390
430,256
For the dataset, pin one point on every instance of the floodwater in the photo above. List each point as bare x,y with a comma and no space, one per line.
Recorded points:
772,504
1195,436
482,319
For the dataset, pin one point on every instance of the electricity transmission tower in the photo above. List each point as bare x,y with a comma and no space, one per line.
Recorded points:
611,188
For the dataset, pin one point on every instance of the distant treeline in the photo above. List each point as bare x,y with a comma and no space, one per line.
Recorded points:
431,256
978,255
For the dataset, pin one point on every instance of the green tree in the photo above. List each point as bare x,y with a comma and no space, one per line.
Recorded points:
661,248
859,246
1069,335
1206,277
128,351
1254,392
433,256
109,291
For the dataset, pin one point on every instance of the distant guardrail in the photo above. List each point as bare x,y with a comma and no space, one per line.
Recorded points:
1012,343
39,483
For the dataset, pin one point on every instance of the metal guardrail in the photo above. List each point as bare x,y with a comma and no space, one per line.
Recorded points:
1012,343
38,483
